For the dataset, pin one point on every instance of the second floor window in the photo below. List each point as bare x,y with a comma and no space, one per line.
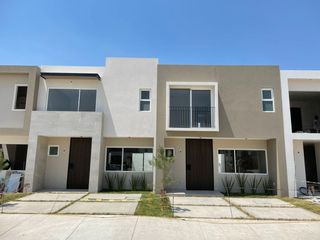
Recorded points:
145,102
82,100
267,100
20,97
190,108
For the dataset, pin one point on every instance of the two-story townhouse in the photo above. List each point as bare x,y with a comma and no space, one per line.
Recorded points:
220,121
87,123
18,85
301,113
90,121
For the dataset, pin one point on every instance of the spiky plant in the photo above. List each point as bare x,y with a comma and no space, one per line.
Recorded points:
254,184
134,182
267,186
228,184
242,180
121,179
110,180
143,182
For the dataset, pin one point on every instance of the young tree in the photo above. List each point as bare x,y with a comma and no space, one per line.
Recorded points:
164,163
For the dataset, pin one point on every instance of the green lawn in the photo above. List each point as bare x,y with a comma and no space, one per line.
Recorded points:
313,207
151,204
12,196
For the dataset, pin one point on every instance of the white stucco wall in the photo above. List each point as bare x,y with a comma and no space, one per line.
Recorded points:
8,117
122,80
65,124
57,166
300,177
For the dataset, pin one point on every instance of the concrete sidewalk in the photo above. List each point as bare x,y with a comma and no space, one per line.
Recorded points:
71,227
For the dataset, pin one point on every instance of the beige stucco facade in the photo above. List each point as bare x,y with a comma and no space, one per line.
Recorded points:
239,122
241,119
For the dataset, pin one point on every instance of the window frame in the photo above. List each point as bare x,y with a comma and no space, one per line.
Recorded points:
214,93
122,155
13,108
235,161
267,100
170,148
76,88
49,146
144,100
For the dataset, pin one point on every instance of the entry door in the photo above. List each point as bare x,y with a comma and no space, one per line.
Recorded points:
199,164
296,121
310,163
79,163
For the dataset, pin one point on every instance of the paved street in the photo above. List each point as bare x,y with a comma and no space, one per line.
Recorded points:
78,227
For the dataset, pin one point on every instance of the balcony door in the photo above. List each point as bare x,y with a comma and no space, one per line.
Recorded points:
190,108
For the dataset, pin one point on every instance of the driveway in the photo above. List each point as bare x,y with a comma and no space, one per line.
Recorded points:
74,203
238,208
78,227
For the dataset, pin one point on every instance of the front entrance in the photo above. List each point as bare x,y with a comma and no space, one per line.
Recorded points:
199,164
79,163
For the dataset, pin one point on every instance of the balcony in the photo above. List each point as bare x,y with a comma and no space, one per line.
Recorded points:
192,106
305,113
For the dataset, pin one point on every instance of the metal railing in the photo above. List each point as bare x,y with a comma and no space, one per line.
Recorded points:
191,117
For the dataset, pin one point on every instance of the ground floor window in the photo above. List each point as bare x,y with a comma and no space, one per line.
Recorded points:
129,159
242,161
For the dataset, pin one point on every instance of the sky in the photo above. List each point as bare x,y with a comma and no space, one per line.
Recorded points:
210,32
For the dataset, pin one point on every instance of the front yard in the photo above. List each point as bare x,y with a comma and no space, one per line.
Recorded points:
7,197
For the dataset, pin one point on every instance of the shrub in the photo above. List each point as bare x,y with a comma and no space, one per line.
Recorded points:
254,184
242,180
134,182
267,186
110,179
143,182
121,179
228,184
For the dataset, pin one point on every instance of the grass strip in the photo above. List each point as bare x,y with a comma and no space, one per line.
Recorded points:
151,204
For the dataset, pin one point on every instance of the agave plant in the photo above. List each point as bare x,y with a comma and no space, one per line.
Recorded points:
228,184
143,182
267,186
110,180
242,180
121,179
134,182
254,184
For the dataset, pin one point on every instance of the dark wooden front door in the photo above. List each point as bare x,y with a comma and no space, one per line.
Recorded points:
310,162
79,163
199,164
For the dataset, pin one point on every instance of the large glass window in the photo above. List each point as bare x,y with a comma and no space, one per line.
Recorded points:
114,159
129,159
71,100
226,161
190,108
242,161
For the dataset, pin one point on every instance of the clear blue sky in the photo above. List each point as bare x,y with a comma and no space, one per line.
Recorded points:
78,32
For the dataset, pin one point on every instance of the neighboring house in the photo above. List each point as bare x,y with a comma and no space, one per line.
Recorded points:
18,99
301,104
86,122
